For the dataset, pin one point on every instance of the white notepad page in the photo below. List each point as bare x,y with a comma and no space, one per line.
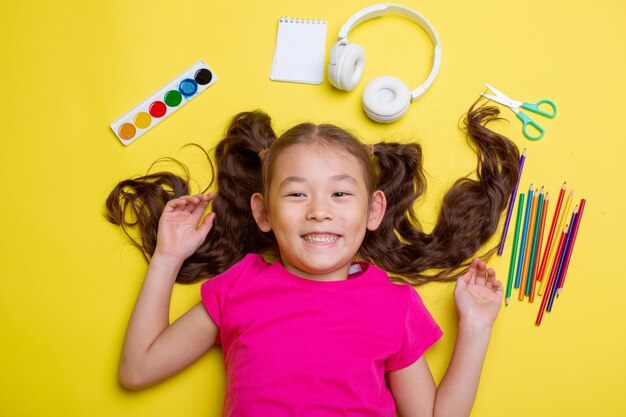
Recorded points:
299,52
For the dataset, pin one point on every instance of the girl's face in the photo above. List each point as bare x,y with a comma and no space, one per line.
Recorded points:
319,209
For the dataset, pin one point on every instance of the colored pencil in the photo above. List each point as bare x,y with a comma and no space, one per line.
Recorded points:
561,261
520,260
509,283
553,258
555,218
529,242
544,215
550,280
571,247
568,242
531,266
511,203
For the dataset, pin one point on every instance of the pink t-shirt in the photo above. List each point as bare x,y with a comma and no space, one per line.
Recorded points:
298,347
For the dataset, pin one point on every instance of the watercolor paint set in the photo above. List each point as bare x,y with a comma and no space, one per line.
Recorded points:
153,110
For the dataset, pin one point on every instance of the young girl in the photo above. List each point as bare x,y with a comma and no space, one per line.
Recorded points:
319,330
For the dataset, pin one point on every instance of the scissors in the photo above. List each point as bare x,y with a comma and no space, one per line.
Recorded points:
516,105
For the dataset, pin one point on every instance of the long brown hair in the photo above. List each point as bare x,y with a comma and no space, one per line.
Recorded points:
469,214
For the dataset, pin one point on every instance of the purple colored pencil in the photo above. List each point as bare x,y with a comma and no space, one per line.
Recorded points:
511,203
571,248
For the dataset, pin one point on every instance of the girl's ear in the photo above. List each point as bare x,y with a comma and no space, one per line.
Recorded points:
378,206
260,213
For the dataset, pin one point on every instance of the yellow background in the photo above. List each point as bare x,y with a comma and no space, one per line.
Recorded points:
69,278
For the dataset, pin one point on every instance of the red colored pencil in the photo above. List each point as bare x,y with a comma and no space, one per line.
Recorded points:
557,210
544,214
552,257
571,247
546,296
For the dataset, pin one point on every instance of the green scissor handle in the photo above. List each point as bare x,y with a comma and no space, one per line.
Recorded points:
534,107
528,121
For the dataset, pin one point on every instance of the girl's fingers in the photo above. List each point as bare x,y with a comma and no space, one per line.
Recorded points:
492,282
173,203
491,278
192,202
473,270
179,202
198,209
189,202
481,274
203,203
207,223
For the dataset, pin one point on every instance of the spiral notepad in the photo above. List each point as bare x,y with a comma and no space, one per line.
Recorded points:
299,51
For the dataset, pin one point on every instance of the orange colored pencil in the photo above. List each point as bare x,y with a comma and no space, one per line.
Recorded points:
542,225
563,218
555,219
529,244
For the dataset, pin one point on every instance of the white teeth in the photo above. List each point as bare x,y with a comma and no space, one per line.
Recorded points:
320,238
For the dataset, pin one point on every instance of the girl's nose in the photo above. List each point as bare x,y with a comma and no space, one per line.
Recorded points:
319,210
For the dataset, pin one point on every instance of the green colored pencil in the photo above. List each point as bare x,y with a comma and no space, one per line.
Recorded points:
509,283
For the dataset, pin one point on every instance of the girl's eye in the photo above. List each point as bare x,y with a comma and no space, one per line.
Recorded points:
295,195
341,194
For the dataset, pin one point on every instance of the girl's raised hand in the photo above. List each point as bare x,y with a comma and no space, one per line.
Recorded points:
478,295
180,230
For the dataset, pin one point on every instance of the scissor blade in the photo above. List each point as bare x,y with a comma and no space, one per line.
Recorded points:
498,92
505,101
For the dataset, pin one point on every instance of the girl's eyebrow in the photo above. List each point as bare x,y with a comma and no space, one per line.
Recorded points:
338,177
292,179
343,177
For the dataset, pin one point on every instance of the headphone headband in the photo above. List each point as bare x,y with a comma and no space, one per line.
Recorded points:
378,10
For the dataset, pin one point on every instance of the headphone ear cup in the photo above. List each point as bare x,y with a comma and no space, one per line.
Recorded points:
386,99
350,61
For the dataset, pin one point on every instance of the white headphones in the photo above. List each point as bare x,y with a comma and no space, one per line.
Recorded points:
385,98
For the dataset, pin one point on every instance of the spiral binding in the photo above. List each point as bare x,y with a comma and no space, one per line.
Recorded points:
287,19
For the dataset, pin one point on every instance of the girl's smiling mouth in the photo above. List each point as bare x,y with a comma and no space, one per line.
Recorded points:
320,239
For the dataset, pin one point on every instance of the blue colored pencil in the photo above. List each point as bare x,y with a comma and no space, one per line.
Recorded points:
533,251
524,233
511,203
